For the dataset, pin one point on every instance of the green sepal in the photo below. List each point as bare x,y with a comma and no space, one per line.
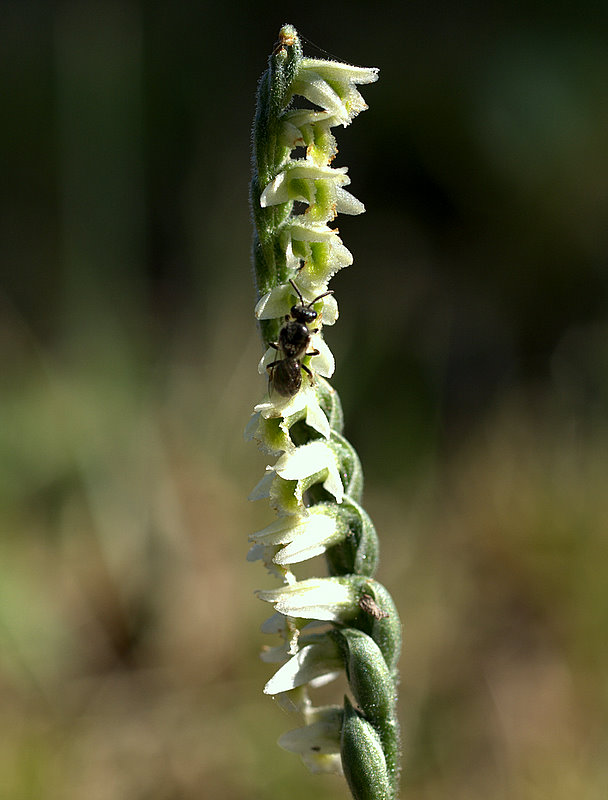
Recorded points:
329,401
384,630
358,552
374,690
350,466
363,759
368,675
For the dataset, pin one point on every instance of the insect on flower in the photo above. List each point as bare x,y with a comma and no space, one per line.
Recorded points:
294,338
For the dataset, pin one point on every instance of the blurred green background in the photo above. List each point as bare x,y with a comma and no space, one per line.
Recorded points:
472,362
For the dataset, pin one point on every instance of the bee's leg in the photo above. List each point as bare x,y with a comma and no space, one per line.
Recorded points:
308,372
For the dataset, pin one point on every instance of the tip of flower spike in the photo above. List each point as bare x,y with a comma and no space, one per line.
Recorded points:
287,35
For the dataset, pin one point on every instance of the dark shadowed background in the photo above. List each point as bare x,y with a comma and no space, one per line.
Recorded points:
472,356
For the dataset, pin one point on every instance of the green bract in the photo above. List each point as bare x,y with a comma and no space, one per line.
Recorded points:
345,622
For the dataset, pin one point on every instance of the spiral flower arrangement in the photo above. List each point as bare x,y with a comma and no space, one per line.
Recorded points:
346,621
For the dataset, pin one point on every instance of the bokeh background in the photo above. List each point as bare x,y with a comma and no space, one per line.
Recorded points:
472,362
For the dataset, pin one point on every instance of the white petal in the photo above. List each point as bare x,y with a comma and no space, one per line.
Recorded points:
341,255
305,461
269,356
324,363
313,543
306,116
292,261
323,733
323,680
297,700
256,552
275,303
277,623
276,191
303,550
323,763
315,416
330,310
262,489
311,232
317,598
281,188
308,460
305,536
288,628
311,85
346,203
309,663
275,655
291,526
251,427
337,70
291,135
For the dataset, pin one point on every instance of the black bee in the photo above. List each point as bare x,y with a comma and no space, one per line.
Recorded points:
294,338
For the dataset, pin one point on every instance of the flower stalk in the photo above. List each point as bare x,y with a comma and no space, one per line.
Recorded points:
345,622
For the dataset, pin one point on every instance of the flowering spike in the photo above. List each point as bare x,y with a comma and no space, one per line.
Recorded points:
346,621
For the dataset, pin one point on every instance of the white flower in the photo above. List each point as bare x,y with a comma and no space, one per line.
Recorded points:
308,464
278,302
298,180
318,742
322,733
331,85
304,127
332,599
296,175
305,535
277,406
301,232
272,434
314,458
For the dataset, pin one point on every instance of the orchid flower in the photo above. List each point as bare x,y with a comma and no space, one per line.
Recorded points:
344,622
